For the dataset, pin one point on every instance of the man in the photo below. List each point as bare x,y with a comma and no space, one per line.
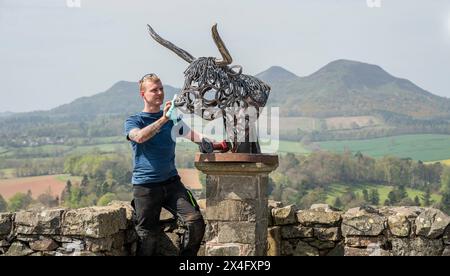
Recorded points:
155,178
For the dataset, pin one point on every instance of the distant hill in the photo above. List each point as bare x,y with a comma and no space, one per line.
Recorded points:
122,98
340,88
6,113
99,115
351,88
277,74
343,100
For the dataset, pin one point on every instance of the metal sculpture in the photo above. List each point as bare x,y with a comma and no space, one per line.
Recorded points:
214,89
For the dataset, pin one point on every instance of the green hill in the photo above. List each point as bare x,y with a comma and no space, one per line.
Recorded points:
351,88
343,100
122,97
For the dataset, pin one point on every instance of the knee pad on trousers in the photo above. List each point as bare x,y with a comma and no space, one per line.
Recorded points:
192,238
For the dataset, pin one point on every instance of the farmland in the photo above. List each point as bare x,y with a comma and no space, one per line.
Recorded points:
36,184
425,147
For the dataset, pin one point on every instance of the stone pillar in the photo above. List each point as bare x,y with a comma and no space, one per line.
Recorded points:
236,202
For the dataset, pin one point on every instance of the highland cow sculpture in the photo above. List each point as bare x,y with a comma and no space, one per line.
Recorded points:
213,89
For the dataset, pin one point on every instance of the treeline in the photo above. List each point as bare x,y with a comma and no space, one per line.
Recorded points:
322,168
15,130
306,179
361,133
35,167
20,201
105,177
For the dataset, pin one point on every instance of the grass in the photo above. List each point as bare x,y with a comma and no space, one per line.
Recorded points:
292,147
336,190
425,147
8,173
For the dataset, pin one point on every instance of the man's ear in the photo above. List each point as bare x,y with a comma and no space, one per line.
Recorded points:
141,93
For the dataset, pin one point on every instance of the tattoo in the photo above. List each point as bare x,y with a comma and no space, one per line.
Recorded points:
143,135
133,134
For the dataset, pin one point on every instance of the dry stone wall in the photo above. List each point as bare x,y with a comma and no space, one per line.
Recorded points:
318,231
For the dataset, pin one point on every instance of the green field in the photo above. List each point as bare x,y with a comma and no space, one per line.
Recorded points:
425,147
290,146
49,150
65,177
336,190
104,148
279,146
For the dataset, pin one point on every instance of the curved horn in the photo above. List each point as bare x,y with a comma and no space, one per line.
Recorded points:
169,45
222,48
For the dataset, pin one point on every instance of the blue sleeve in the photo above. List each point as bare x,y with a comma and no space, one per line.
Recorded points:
131,123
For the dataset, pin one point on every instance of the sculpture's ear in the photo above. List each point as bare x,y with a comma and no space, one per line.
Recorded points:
169,45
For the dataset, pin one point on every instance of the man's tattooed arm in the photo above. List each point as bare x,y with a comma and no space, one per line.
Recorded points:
142,135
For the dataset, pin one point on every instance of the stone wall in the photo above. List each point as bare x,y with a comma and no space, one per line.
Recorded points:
92,231
388,231
318,231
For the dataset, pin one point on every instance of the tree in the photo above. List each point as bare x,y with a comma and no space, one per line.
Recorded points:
445,202
445,188
74,199
315,196
426,198
105,188
3,204
417,201
365,195
401,192
105,199
47,199
392,197
65,195
19,201
374,197
407,202
84,184
337,203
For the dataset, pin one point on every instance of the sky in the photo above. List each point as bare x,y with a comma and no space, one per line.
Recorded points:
54,51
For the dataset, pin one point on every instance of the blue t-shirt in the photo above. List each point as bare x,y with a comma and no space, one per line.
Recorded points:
154,160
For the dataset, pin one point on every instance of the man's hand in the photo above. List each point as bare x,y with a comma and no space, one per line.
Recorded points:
166,108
